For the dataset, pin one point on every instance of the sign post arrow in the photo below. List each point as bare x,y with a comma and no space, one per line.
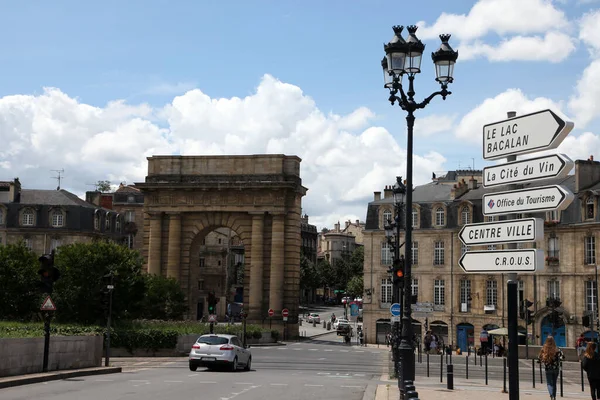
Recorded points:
504,261
527,133
543,198
530,170
509,231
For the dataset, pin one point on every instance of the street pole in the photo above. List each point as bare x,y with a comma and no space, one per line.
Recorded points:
594,318
47,317
108,322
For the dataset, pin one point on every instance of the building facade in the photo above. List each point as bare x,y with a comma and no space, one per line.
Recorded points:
47,219
336,244
464,304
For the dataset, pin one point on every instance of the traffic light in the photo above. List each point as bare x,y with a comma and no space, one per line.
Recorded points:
585,320
212,302
48,273
528,313
398,271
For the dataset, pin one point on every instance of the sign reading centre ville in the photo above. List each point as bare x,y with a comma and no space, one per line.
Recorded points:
528,133
533,169
505,261
537,199
510,231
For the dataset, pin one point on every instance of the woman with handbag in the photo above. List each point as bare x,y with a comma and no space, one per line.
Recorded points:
551,356
591,364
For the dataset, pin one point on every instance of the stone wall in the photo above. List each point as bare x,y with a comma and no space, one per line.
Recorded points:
25,355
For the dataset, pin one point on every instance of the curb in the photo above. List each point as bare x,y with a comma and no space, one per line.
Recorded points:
54,376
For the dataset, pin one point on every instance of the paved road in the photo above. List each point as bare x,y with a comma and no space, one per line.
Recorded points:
323,368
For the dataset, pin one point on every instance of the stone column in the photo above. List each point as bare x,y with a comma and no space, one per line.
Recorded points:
277,264
256,267
174,254
154,246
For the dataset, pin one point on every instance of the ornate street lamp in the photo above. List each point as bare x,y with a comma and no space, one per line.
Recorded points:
404,58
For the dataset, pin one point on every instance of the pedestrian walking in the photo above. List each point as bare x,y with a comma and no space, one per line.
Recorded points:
580,346
591,365
551,356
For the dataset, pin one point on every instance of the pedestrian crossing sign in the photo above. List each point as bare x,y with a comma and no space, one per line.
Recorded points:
48,305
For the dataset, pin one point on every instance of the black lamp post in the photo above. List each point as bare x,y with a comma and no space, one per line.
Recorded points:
403,57
392,235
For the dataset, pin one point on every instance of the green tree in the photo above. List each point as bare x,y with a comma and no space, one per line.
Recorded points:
103,186
326,274
355,286
309,276
19,297
77,294
164,298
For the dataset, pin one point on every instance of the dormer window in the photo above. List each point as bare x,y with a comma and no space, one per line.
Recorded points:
130,199
57,219
465,215
107,222
97,220
118,223
440,216
1,216
387,216
589,208
415,217
27,217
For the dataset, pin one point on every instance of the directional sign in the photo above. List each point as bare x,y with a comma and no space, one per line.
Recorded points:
502,261
530,170
510,231
543,198
528,133
48,305
395,310
271,312
285,313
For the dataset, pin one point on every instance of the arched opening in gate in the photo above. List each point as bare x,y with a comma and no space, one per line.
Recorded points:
465,336
553,325
440,328
383,327
217,270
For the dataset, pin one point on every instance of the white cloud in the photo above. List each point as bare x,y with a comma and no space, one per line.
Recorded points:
580,147
345,157
432,124
497,16
589,33
170,88
584,102
470,128
522,48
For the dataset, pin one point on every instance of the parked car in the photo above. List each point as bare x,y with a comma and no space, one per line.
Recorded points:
314,317
344,329
219,350
339,321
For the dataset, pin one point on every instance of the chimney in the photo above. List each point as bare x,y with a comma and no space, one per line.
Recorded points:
458,189
347,224
472,183
14,191
93,197
587,173
337,227
357,223
387,192
592,157
377,195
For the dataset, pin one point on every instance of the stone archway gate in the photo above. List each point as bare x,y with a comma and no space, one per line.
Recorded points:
257,196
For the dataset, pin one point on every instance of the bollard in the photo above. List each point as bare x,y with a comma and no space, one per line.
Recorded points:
581,367
533,372
486,369
412,395
475,358
481,359
450,376
541,377
428,365
442,368
450,355
561,381
324,324
504,375
467,367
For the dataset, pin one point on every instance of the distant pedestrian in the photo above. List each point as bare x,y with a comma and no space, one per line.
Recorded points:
591,364
580,345
551,356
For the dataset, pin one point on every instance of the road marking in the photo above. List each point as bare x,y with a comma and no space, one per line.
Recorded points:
244,383
313,349
279,384
306,384
170,363
353,387
359,351
321,359
298,349
323,373
142,363
344,351
104,380
139,380
328,350
359,374
282,348
173,381
207,382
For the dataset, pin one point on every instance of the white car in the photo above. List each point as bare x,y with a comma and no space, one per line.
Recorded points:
219,350
314,317
339,321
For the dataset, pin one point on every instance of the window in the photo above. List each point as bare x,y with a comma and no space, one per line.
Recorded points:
415,218
201,263
591,293
439,292
554,289
552,216
129,216
387,216
27,217
107,222
589,208
465,215
491,218
54,244
438,253
491,247
491,295
465,294
440,217
57,219
590,250
97,220
200,284
519,216
415,253
130,241
118,223
386,290
415,287
130,199
28,243
463,248
552,247
520,245
1,216
386,253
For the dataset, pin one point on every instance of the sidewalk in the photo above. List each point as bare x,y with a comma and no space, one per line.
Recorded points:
431,388
18,380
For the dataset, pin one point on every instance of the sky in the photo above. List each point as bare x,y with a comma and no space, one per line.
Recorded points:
96,87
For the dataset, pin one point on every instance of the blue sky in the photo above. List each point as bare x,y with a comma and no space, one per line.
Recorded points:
140,69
